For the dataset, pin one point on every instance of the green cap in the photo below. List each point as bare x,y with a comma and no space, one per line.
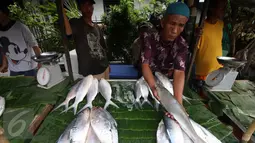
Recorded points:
177,8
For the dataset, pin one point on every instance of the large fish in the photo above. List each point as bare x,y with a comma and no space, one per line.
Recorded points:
169,102
78,129
104,126
168,85
82,91
186,138
2,105
92,137
173,130
92,93
106,91
71,94
162,136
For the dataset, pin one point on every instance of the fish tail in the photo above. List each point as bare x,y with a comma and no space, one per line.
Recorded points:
147,101
186,99
60,105
75,106
140,104
88,105
156,106
110,103
66,109
137,104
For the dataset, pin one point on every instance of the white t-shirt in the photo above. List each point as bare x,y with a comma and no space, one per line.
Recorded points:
16,43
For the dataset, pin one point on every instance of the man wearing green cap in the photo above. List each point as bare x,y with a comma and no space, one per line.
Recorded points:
165,51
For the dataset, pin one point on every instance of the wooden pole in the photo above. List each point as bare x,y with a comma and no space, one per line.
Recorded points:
201,25
247,135
65,41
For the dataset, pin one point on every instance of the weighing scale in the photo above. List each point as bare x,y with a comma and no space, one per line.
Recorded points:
50,73
224,78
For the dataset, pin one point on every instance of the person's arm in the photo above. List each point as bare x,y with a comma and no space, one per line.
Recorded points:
4,63
179,79
146,56
66,21
179,73
30,39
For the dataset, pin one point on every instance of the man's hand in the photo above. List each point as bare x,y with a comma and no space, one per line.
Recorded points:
179,79
155,93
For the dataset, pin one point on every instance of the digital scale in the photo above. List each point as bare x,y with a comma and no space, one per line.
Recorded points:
224,78
50,73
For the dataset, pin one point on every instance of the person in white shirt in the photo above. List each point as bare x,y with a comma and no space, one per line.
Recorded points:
17,45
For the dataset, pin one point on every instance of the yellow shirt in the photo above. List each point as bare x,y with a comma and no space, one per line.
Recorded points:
209,47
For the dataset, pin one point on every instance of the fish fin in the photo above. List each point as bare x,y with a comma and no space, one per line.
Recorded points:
88,105
60,105
72,106
138,105
186,99
147,101
66,110
75,106
110,103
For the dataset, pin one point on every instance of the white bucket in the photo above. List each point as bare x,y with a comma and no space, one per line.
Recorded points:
74,62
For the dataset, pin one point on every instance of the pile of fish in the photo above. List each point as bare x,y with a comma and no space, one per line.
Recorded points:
89,86
94,125
170,132
174,131
142,90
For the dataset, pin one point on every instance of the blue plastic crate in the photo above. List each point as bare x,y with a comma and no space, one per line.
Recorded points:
119,71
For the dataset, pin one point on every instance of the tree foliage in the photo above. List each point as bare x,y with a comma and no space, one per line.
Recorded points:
121,23
43,21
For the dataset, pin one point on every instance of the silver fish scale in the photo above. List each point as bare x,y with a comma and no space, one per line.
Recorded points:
104,126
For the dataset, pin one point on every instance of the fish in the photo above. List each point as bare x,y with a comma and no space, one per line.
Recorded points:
104,126
82,91
91,95
2,105
204,133
144,92
81,127
106,91
173,130
186,138
162,136
156,102
168,85
71,94
77,130
138,93
92,137
172,106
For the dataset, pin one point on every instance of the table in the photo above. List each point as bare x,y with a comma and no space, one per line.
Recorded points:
26,106
237,105
134,126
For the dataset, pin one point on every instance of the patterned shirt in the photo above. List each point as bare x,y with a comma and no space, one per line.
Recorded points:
163,56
